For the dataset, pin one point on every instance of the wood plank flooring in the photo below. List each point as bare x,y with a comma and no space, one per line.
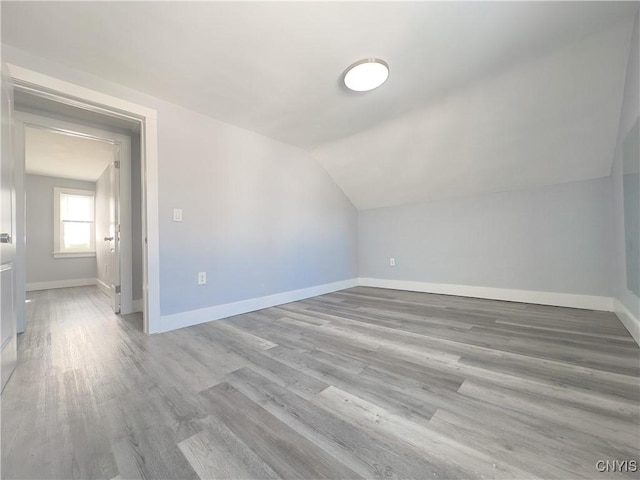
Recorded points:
362,383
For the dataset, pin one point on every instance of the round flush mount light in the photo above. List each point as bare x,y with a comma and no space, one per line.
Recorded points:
366,74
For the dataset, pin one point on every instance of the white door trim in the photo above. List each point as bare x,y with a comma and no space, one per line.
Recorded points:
99,102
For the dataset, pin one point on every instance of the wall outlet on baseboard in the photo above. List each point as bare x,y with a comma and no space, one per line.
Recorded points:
392,262
202,278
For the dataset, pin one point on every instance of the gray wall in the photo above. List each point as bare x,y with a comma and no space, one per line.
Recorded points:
625,181
260,217
553,239
41,266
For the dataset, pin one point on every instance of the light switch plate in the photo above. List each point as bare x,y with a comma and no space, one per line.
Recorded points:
177,214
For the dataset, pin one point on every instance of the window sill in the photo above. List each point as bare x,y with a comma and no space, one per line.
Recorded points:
73,254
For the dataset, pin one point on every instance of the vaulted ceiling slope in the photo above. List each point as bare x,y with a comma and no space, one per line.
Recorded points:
482,96
548,120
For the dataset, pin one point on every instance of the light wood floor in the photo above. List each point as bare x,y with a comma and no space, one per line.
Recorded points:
363,383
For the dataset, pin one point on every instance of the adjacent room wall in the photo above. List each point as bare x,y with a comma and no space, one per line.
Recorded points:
42,268
260,217
625,180
552,239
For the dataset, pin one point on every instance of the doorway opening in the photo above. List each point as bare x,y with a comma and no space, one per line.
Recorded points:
91,108
82,209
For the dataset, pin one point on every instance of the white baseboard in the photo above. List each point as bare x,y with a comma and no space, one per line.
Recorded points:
104,288
138,305
630,322
77,282
590,302
194,317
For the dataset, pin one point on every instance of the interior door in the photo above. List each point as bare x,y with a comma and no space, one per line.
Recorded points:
114,231
8,326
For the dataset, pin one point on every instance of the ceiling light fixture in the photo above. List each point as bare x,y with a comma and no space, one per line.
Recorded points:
366,74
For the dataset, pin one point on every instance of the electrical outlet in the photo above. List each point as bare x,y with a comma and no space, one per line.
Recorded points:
177,214
392,262
202,278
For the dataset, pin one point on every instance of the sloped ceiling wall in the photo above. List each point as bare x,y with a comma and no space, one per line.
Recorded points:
548,120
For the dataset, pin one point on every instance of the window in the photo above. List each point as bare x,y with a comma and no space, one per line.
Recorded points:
73,224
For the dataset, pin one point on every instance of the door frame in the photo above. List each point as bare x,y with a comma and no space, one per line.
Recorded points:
23,120
60,91
8,341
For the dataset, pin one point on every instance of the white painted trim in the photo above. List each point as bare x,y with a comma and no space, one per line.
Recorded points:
150,227
77,282
125,245
590,302
76,91
73,254
104,288
631,323
203,315
149,160
19,264
58,250
138,305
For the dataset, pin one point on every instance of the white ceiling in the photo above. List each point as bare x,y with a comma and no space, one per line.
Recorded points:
550,120
482,96
65,156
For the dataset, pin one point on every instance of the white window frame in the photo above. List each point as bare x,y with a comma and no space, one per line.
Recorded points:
58,245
